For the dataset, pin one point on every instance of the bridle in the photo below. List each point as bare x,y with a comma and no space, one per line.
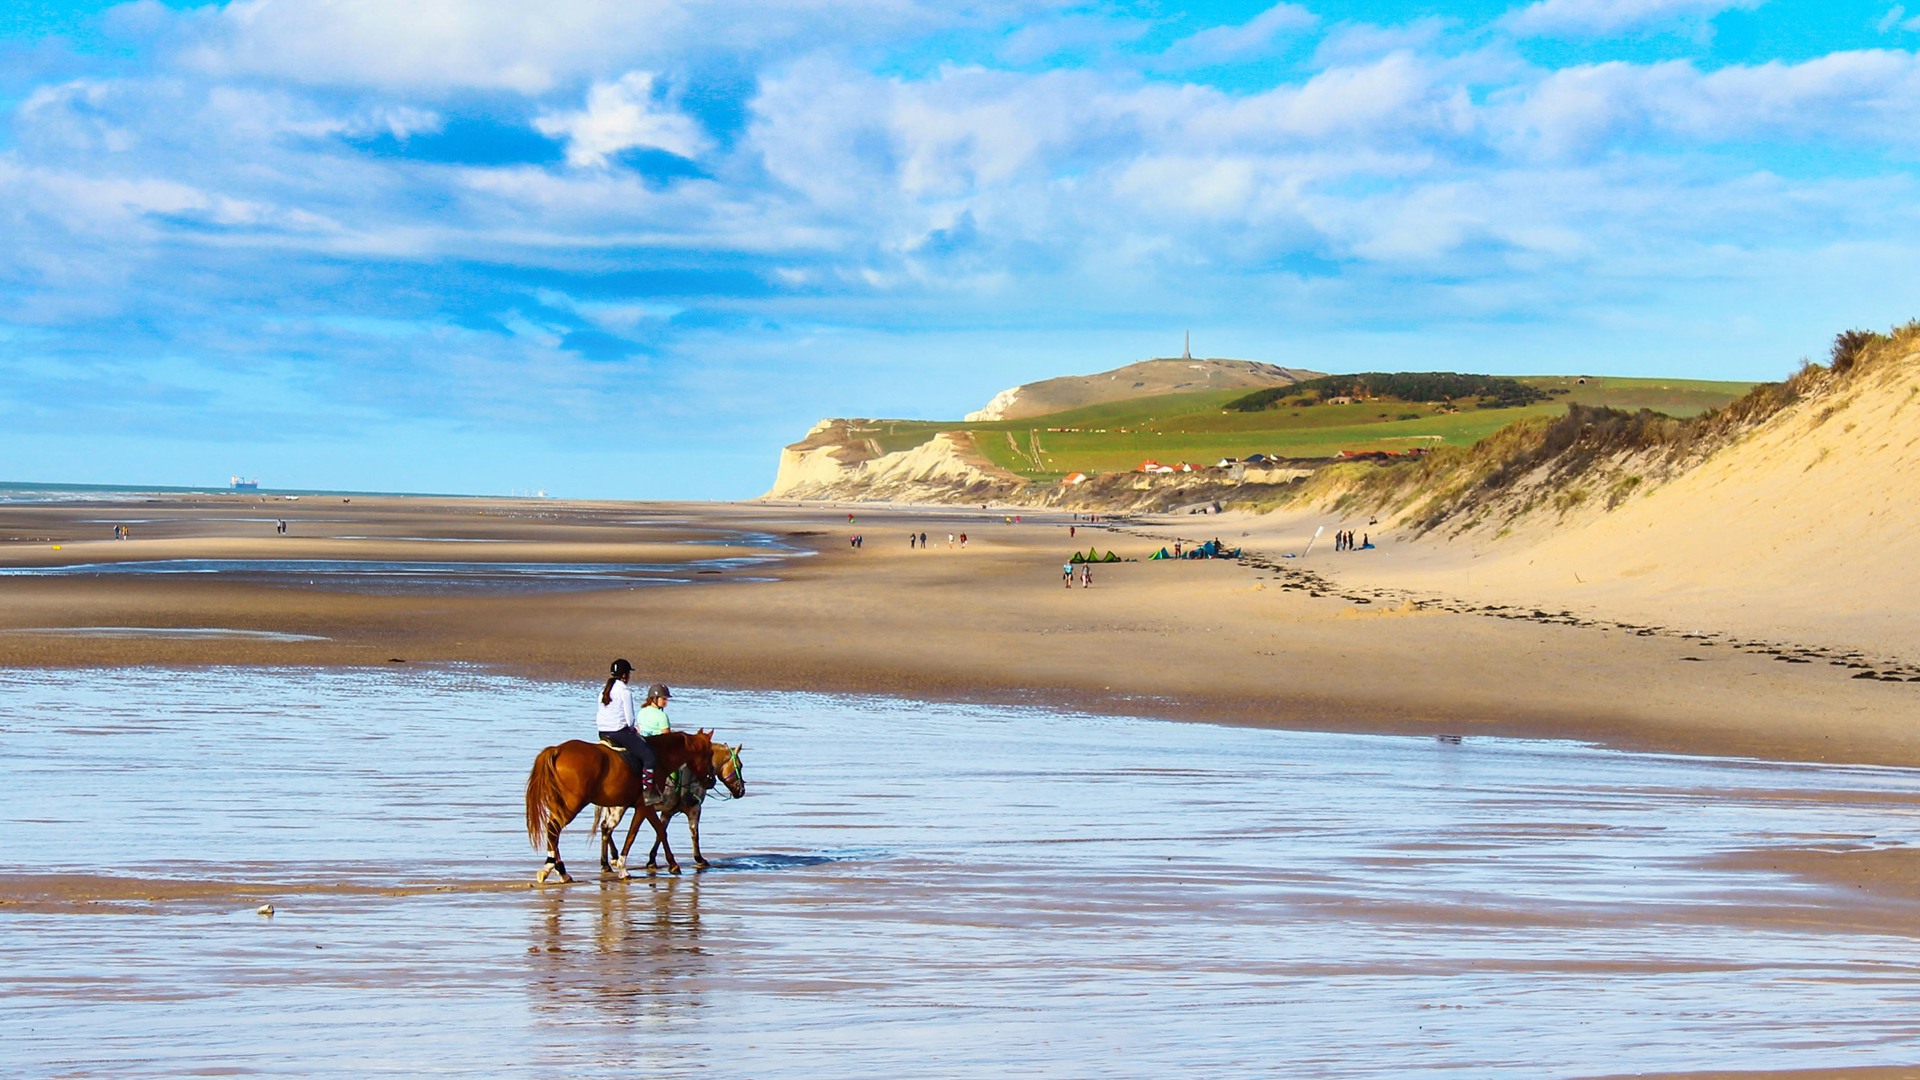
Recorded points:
732,774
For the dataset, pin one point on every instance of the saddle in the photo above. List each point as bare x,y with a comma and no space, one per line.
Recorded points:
633,762
652,790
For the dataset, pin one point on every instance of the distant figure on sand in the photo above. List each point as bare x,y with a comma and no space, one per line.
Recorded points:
1066,575
1086,575
913,540
1071,529
923,541
963,539
949,539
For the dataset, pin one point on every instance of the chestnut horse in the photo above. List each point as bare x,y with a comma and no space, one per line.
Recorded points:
684,796
574,775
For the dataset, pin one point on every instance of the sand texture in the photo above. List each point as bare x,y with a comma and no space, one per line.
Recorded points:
1209,640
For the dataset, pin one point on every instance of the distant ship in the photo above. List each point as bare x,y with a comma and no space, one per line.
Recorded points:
245,485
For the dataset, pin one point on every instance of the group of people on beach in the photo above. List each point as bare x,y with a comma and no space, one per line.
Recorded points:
626,728
1343,541
919,540
1086,575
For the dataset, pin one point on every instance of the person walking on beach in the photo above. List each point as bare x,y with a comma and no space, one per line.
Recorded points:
949,540
963,540
1071,529
913,541
1066,576
616,719
923,541
1086,575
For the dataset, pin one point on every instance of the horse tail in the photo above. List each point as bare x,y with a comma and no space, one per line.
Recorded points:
543,789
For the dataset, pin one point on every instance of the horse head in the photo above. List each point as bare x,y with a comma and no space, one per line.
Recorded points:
700,756
726,764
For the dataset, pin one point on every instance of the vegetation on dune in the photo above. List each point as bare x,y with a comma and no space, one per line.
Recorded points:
1485,391
1198,428
1591,451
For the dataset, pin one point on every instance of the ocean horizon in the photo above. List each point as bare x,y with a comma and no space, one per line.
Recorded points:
19,491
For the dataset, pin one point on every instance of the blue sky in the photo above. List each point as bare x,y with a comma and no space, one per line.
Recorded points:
629,248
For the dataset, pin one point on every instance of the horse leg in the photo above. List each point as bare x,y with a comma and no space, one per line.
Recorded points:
693,830
605,820
661,841
641,813
554,864
660,838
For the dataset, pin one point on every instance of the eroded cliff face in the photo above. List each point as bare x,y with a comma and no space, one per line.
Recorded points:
835,462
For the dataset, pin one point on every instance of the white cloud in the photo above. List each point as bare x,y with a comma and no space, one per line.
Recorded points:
1598,18
1896,19
622,115
1254,37
528,48
1869,97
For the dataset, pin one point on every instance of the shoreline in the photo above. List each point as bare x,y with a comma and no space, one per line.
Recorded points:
1243,644
1250,645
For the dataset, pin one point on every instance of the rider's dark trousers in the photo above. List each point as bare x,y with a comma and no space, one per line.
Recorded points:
631,741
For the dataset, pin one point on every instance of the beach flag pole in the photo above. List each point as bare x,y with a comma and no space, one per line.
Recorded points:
1318,529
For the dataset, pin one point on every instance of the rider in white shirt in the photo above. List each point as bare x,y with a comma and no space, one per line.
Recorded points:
616,719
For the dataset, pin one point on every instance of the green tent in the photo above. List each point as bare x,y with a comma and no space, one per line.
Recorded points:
1077,558
1111,557
1161,554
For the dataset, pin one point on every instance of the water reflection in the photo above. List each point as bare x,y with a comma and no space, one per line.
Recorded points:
1006,892
627,952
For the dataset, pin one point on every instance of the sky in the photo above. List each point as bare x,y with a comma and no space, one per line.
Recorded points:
630,248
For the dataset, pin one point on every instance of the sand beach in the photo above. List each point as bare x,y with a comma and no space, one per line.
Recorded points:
1406,638
510,609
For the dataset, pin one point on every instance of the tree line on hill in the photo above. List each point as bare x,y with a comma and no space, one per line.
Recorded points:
1490,391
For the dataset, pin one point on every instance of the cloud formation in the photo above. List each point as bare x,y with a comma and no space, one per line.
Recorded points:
1599,18
622,115
473,218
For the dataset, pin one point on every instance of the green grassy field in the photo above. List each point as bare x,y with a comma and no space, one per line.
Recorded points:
1118,436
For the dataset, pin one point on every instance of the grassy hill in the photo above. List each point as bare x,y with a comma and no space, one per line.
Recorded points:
1171,428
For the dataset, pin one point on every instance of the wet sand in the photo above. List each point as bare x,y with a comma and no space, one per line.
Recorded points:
969,891
988,623
1216,641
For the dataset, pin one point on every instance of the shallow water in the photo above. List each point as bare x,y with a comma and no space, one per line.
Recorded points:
386,576
915,890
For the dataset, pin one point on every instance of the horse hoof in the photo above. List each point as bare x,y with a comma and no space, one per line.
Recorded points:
701,864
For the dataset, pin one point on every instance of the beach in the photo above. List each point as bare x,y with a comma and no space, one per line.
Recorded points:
951,754
769,597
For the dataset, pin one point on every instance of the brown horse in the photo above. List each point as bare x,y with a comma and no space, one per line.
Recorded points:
683,796
574,775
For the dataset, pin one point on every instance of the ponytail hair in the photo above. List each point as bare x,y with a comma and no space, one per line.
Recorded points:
606,692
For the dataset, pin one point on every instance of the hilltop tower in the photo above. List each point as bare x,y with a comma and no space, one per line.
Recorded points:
1187,352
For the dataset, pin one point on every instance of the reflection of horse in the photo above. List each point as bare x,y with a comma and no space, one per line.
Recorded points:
568,777
684,796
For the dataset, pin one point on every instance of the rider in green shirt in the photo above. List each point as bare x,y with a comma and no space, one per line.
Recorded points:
652,717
